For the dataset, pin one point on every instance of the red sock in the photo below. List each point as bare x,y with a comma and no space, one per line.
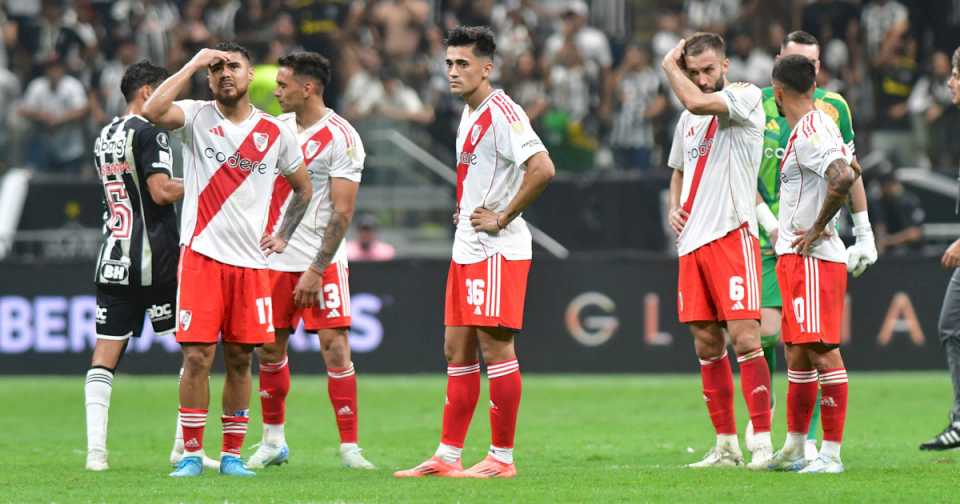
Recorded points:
505,388
801,399
192,422
833,403
717,378
274,387
234,430
342,389
463,390
755,385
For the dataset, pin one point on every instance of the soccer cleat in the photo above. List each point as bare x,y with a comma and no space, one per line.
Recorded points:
231,465
489,467
268,455
760,458
748,435
97,461
718,456
208,463
949,439
434,466
188,467
353,458
810,451
824,464
784,460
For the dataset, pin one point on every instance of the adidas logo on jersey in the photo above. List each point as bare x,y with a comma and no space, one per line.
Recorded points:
333,313
217,130
344,411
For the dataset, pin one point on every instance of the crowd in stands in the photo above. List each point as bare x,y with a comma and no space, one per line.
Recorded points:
587,73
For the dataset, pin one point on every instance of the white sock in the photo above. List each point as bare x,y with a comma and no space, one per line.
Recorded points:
449,454
504,455
97,398
795,442
762,439
273,434
830,449
728,440
348,447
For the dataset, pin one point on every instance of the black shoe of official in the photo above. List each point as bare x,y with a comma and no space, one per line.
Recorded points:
949,439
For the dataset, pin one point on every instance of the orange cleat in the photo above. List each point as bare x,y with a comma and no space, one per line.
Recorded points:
434,466
489,467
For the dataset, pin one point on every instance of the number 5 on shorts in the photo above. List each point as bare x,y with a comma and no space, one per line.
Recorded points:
265,312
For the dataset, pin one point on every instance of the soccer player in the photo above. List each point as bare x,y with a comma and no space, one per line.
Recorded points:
502,168
136,268
314,265
949,324
715,157
232,155
816,177
860,255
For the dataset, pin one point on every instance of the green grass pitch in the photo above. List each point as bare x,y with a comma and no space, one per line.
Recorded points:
581,439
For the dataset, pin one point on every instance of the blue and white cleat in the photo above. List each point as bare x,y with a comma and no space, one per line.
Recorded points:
790,461
824,464
268,455
188,467
233,466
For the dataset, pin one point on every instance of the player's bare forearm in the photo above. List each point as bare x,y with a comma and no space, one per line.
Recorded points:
164,190
159,108
295,210
694,100
840,178
857,200
343,193
540,171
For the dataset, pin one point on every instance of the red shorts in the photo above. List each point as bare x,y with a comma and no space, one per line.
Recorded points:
333,311
721,280
215,298
489,293
813,293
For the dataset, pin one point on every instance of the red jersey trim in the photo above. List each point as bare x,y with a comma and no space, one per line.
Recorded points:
701,164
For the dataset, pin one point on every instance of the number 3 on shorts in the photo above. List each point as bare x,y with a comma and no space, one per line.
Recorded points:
265,312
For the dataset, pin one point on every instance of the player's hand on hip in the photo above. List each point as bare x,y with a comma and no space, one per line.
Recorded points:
808,239
486,220
271,244
307,292
678,219
951,258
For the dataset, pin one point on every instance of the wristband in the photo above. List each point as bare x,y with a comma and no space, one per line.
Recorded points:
861,224
766,219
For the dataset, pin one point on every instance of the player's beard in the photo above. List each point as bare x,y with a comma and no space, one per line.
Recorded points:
717,86
230,100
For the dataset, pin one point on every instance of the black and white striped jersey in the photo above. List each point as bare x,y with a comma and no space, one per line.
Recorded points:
140,245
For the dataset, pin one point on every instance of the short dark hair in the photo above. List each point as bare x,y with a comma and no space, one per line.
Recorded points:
308,64
234,48
139,74
701,41
800,37
480,37
796,72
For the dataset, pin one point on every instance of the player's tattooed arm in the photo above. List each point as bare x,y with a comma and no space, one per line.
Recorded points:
840,178
343,194
302,192
857,199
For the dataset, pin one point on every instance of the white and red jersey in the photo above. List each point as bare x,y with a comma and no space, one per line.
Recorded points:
720,157
228,176
493,143
814,143
331,149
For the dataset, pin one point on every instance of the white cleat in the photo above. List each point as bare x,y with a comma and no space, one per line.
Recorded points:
810,451
760,458
208,463
268,454
787,460
749,438
824,464
352,458
720,456
97,461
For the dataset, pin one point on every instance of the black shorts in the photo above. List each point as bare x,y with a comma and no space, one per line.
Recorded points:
120,310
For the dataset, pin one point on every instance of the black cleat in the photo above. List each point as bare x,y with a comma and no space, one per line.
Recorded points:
949,439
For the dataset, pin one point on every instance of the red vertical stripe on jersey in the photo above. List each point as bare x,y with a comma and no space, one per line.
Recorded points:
227,179
473,137
701,164
282,189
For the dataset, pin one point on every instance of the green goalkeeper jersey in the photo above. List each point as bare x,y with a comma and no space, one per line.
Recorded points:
775,137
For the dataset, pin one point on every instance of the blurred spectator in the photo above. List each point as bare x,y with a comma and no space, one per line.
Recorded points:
897,217
112,101
668,33
220,16
638,98
569,93
895,73
749,63
57,105
362,87
57,32
399,102
527,87
935,118
367,246
880,17
9,93
712,15
591,43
